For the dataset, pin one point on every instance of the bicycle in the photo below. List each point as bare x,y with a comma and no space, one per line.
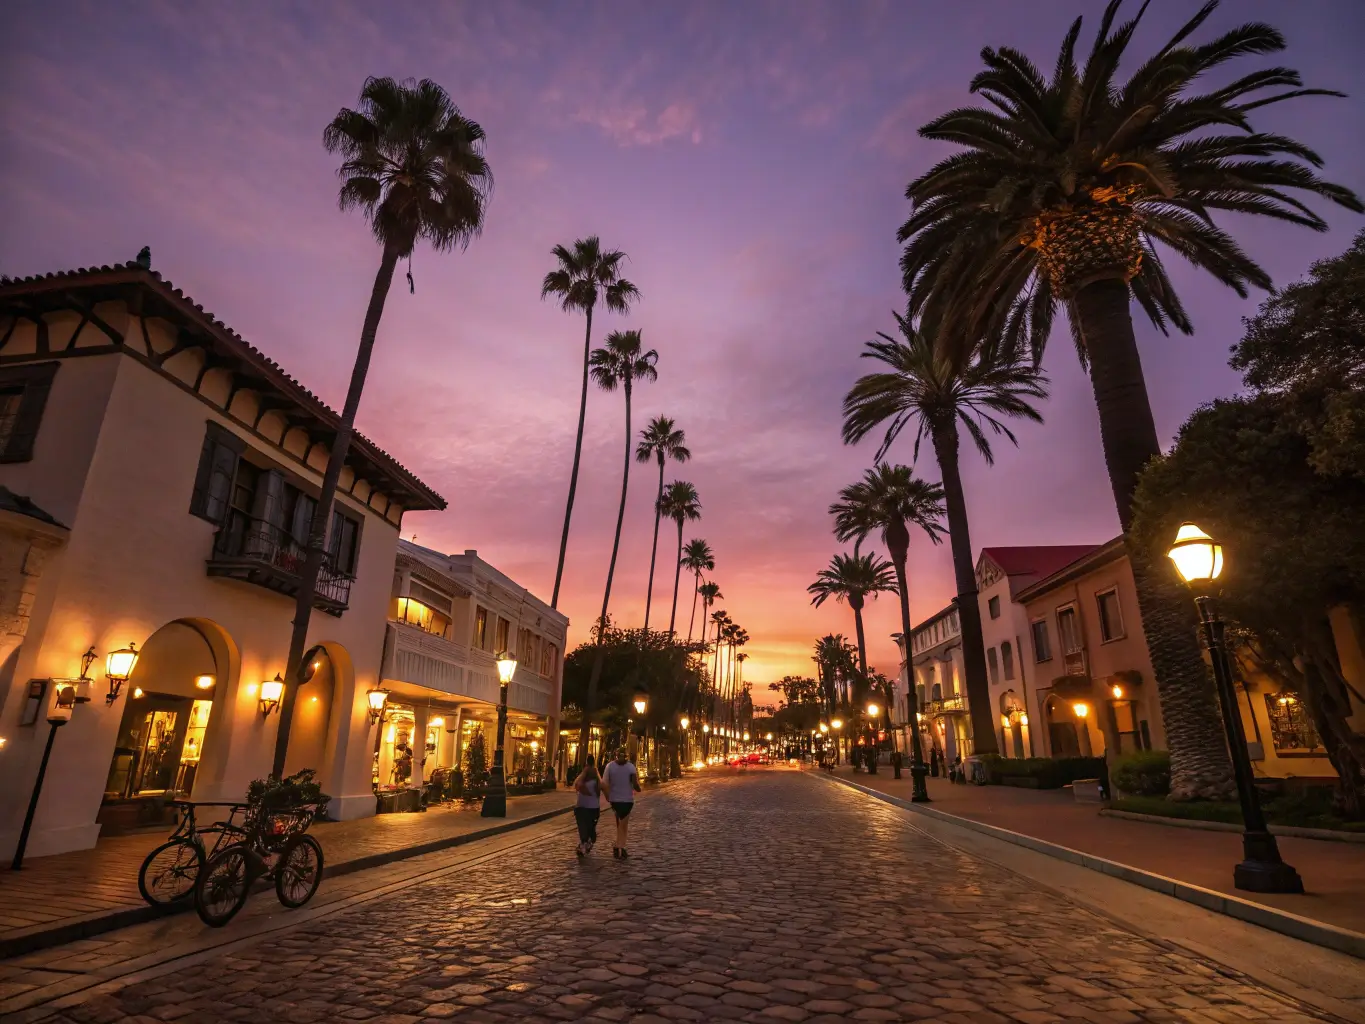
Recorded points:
169,872
275,847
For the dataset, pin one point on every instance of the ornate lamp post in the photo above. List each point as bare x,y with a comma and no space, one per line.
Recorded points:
872,712
495,797
837,724
58,715
1199,560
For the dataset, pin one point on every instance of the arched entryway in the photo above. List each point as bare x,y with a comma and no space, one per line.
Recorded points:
1066,730
173,734
1013,725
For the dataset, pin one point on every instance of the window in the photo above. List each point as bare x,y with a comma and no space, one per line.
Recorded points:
1042,644
23,396
1111,617
993,663
481,628
500,640
1069,630
1007,659
213,483
1291,729
344,542
993,605
547,659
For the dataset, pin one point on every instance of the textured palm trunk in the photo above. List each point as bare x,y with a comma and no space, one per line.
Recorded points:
1329,703
596,675
654,549
577,454
1200,767
692,619
322,511
945,438
898,546
677,579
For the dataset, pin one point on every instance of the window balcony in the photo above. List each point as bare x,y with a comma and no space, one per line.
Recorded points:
260,552
954,705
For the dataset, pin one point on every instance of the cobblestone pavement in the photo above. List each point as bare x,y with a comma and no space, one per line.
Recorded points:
759,897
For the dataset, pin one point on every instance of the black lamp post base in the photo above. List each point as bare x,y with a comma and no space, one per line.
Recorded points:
1263,870
495,797
920,789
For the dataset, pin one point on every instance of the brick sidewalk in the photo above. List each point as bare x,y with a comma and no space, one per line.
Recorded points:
88,891
1333,872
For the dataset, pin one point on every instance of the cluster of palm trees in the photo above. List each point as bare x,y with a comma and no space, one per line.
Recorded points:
728,690
585,276
1062,194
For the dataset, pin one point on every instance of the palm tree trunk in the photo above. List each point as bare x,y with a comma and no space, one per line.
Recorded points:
677,578
577,454
1200,767
856,603
596,675
945,438
654,551
696,589
898,546
322,511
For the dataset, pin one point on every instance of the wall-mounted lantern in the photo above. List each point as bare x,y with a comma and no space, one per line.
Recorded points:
272,690
378,697
205,681
118,666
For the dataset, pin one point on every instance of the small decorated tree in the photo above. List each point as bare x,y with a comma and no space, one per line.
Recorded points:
475,765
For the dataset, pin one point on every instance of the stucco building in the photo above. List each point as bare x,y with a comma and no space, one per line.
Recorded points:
160,475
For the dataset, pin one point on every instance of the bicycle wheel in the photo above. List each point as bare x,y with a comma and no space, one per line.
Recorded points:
299,872
222,886
169,872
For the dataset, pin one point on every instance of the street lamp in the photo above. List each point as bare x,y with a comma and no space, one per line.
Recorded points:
495,796
57,716
1199,560
872,712
118,666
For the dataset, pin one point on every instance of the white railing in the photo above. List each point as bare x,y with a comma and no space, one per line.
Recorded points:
415,656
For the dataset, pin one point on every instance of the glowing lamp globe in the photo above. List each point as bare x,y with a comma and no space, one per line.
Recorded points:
507,668
1197,556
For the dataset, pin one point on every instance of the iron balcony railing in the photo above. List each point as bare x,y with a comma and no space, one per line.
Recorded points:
261,552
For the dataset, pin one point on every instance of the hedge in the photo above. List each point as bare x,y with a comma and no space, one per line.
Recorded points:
1144,773
1050,773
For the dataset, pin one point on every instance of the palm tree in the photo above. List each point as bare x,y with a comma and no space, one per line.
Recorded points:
584,276
696,558
720,620
832,661
680,503
660,441
619,363
1060,196
852,578
415,166
710,593
892,499
936,385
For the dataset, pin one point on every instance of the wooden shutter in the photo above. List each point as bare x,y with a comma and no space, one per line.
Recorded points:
37,382
217,468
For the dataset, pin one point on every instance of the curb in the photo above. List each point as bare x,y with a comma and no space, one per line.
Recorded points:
1319,934
1289,831
44,936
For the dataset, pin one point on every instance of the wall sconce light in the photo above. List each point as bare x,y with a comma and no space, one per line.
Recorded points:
378,697
65,703
1081,709
137,693
1023,718
83,683
272,690
1117,692
205,682
437,722
118,666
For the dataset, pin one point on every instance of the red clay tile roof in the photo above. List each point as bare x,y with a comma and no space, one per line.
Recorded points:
417,495
1026,565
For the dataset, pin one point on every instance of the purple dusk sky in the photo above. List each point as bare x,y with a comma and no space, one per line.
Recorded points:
751,159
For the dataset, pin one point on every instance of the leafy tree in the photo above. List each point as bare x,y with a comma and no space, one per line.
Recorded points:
584,276
661,441
415,166
1062,194
680,503
936,385
696,558
852,578
620,363
1243,470
892,499
476,763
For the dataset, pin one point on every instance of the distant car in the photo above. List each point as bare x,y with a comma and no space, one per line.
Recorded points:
755,757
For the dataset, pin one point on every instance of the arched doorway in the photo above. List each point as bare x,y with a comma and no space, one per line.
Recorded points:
1012,724
169,735
1063,728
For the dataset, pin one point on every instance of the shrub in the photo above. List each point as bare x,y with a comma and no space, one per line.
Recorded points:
291,791
1050,773
1144,773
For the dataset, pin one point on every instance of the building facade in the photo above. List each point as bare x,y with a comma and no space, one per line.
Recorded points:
161,475
940,685
450,617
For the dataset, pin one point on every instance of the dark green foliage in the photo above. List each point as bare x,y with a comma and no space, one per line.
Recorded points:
668,670
1144,773
1310,809
291,791
1049,773
476,763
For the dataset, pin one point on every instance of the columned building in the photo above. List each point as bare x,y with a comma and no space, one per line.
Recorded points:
940,684
157,479
450,617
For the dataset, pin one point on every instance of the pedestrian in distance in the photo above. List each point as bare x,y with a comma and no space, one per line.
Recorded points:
621,782
588,807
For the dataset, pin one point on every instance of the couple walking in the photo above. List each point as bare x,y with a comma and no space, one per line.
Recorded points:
619,782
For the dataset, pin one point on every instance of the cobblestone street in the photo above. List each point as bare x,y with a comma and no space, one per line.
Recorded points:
767,896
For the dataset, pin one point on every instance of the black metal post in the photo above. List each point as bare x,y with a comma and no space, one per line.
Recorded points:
1262,870
495,799
891,731
18,861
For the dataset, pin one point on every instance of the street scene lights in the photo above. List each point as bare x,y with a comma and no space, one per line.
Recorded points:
1198,559
495,797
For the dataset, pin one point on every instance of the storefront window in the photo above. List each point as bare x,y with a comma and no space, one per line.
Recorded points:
1291,728
161,740
396,749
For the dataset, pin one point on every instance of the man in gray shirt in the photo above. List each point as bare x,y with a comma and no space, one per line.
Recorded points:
621,782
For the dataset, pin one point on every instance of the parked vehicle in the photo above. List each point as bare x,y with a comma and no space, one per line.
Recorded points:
169,872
